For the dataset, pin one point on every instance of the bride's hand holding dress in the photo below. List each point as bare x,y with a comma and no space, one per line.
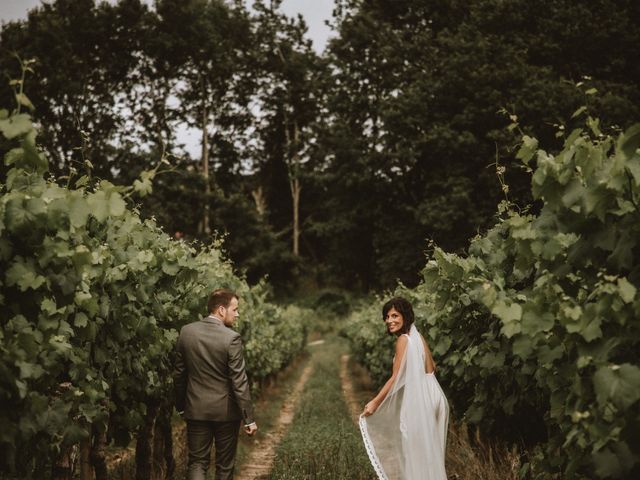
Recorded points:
401,348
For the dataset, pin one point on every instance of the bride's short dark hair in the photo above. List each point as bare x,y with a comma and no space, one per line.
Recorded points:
403,306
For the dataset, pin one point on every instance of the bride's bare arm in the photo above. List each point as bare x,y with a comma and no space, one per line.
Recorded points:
430,365
401,348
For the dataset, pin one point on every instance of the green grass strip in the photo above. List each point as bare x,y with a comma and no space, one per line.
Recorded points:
323,442
267,410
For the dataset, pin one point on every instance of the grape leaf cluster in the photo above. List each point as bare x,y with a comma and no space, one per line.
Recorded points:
536,331
92,298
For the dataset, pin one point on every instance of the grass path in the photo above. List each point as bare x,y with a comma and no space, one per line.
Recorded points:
323,441
260,461
308,429
348,390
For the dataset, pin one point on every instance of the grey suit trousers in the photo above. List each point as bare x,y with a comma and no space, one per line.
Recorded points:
201,434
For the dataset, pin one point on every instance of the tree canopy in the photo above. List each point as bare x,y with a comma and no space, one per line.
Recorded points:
326,170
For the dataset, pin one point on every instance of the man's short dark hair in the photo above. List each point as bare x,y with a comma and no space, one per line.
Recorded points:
220,297
403,306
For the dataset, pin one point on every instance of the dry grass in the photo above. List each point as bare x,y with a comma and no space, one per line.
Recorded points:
121,462
467,460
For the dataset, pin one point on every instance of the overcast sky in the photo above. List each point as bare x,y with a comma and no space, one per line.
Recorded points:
315,12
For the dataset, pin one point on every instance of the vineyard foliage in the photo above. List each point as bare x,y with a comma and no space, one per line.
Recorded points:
536,331
92,298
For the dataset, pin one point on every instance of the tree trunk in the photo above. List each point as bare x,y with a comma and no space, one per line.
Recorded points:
164,464
206,228
63,466
86,471
294,180
144,443
260,200
157,452
295,197
98,459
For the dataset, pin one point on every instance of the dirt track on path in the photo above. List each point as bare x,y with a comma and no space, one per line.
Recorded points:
347,389
260,461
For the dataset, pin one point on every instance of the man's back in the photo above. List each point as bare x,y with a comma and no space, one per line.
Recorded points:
210,379
211,387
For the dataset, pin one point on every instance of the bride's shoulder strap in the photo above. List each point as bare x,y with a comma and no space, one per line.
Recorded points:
401,342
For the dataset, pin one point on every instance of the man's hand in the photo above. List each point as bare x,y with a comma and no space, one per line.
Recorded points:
251,428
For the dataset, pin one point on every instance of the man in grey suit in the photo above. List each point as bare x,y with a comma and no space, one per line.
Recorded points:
211,387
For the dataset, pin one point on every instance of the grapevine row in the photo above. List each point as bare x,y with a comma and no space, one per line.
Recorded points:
536,331
92,298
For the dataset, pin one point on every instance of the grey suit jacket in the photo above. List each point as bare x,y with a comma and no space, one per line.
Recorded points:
209,378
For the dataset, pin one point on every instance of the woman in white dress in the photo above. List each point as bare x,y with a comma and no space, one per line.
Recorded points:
404,427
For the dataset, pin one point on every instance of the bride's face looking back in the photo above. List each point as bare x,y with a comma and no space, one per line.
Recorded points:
394,321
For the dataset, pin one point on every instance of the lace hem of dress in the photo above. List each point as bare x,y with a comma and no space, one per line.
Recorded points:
373,457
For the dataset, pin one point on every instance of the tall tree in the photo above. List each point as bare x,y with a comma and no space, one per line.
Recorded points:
84,54
206,44
288,101
419,86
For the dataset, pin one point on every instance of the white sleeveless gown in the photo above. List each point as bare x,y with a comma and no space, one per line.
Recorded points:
406,437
